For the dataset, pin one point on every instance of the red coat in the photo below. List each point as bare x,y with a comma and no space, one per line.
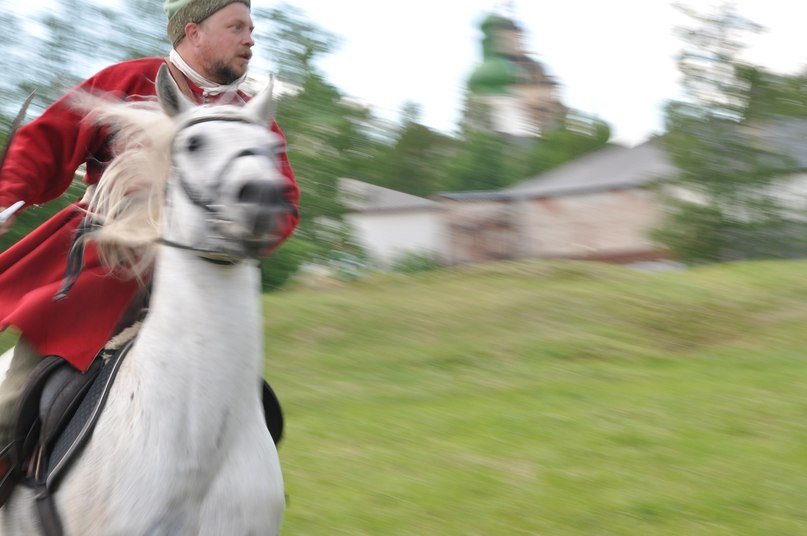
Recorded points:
40,165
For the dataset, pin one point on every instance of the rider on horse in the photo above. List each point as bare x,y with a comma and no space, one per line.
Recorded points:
212,41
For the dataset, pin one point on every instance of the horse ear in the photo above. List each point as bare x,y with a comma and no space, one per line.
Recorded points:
171,99
260,107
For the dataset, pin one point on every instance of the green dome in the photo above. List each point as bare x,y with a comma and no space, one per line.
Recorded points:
494,21
496,74
493,76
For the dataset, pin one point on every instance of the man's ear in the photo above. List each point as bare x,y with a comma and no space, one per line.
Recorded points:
192,32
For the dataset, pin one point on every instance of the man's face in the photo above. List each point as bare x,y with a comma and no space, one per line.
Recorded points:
225,43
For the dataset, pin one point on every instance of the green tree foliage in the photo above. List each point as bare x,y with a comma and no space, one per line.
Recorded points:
137,29
580,134
326,134
729,175
772,95
486,160
59,54
56,57
414,161
292,41
329,136
11,63
483,160
49,53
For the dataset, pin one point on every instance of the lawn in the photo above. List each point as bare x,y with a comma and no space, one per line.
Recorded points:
545,398
557,398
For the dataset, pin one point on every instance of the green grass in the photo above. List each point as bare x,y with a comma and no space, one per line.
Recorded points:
545,398
552,398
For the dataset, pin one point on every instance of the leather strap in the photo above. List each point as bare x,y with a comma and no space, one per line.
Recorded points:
8,474
179,78
48,516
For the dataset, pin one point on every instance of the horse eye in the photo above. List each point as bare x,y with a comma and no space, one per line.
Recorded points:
194,143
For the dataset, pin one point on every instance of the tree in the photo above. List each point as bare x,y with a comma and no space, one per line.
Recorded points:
293,41
325,133
12,64
579,134
730,210
486,160
56,57
483,160
136,30
772,95
413,162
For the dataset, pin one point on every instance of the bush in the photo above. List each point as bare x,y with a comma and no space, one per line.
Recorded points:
277,269
410,263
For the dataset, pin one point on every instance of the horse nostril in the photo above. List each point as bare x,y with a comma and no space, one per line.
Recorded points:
261,193
269,199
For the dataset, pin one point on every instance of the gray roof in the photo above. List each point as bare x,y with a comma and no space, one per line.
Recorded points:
486,195
614,166
786,136
359,196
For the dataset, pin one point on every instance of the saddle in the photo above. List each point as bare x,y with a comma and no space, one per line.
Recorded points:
56,415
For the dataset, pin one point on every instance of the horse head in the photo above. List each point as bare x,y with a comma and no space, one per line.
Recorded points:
226,196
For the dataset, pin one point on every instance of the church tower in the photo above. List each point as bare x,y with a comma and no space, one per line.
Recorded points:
519,95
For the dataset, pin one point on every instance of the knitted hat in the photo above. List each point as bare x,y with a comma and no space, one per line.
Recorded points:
181,12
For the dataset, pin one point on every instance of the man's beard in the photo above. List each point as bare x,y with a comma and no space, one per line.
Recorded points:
224,74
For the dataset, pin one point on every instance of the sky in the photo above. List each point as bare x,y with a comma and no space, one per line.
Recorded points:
614,59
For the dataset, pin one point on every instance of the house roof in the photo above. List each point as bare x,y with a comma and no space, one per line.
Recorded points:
359,196
614,166
785,135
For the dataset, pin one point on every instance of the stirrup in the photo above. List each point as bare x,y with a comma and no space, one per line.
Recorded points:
9,472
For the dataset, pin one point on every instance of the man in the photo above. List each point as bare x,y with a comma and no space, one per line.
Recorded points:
212,42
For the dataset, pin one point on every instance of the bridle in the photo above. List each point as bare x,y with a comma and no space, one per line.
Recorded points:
206,201
75,258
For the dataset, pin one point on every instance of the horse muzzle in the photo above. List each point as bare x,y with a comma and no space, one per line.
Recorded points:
257,219
266,203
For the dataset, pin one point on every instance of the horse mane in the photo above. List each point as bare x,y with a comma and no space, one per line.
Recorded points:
127,202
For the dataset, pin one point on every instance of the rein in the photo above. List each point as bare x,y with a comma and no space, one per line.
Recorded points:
177,245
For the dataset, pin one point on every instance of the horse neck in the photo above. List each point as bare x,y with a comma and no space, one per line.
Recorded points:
202,338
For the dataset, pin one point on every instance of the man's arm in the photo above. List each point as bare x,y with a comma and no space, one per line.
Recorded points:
43,157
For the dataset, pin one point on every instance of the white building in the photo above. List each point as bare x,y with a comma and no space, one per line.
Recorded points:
391,225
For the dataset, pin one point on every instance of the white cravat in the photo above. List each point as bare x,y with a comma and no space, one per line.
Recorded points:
209,88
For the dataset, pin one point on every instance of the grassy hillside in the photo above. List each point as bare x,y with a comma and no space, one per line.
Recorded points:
545,398
534,398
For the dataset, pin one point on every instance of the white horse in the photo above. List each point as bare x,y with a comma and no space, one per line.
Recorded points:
181,447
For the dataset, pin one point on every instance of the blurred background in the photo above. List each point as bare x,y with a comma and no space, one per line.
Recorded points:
433,135
549,276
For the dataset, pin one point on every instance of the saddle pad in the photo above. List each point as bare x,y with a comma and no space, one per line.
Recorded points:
81,425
